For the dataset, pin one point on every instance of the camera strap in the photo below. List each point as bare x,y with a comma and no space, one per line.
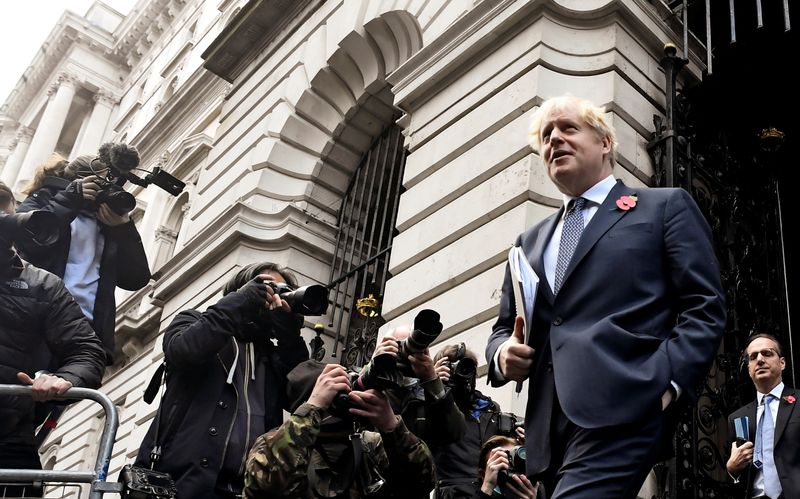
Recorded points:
150,395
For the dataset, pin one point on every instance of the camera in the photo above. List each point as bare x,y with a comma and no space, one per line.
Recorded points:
118,199
144,483
516,465
462,370
507,424
385,371
305,300
121,160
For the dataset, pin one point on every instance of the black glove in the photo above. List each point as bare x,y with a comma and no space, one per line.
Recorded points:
255,292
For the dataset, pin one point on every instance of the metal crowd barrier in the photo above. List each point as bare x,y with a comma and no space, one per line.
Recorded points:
97,476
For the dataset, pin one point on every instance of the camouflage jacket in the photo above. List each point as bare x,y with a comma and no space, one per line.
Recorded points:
286,462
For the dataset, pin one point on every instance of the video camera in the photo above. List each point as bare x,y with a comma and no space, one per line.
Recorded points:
385,372
516,461
305,300
121,159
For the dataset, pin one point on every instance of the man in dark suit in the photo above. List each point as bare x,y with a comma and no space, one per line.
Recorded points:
628,315
767,474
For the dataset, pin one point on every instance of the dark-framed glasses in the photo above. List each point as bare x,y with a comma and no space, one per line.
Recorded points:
767,353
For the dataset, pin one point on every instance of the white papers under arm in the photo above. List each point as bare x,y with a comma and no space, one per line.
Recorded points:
525,283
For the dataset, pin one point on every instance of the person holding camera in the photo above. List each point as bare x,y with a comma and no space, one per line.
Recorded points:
226,372
427,407
36,309
456,467
501,471
318,453
98,249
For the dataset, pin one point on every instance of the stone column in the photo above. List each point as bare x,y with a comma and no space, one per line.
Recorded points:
49,130
14,161
98,121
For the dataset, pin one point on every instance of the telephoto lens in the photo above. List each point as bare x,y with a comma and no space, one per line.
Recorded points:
305,300
426,329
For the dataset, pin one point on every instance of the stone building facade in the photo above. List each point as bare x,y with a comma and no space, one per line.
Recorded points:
267,109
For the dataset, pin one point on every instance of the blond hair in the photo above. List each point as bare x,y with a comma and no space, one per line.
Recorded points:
592,115
55,166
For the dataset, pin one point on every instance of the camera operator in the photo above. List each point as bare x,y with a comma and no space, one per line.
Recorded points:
97,249
36,310
317,454
427,407
501,471
225,383
456,467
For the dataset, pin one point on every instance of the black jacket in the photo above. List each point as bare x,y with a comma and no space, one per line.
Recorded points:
123,263
457,462
37,311
196,430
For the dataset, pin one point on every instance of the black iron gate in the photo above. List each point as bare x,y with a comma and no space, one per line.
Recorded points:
731,163
360,266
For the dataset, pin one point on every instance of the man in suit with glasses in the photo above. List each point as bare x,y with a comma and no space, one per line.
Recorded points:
767,466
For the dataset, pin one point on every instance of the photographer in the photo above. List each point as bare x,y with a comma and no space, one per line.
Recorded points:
456,467
427,407
97,249
226,373
316,454
501,471
36,310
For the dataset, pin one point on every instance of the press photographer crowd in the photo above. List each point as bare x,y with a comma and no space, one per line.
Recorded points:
403,426
246,414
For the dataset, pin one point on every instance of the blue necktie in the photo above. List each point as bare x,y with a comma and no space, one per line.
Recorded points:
763,457
570,234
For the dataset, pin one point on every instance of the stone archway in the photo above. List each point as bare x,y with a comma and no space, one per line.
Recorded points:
338,102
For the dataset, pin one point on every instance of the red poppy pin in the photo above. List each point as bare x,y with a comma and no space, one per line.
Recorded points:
789,399
626,203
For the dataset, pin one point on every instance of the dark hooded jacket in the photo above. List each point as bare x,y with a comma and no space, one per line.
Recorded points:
226,378
123,263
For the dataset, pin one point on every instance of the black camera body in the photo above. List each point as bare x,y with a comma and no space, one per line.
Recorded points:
305,300
144,483
507,424
388,372
516,461
464,368
118,199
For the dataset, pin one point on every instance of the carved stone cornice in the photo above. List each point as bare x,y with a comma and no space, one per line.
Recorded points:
65,79
245,36
164,232
142,29
105,97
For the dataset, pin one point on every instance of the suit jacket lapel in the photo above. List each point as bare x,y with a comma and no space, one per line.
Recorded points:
607,215
785,410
